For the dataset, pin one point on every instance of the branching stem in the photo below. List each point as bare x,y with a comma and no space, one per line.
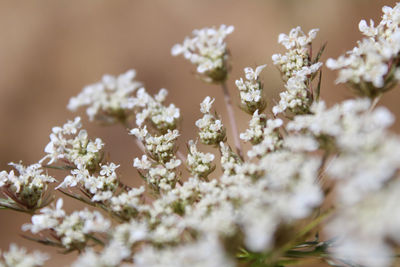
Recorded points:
232,120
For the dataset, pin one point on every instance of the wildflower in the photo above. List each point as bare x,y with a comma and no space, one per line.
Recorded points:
204,252
211,130
207,50
271,139
107,100
128,204
111,256
18,257
199,163
27,190
163,118
99,188
371,67
74,147
229,160
161,148
297,56
298,70
251,90
255,133
71,231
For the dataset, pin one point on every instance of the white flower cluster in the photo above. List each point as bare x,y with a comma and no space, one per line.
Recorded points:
205,252
365,165
255,133
99,187
333,169
128,204
27,189
297,70
251,90
297,43
365,231
109,98
372,66
207,50
152,109
74,230
161,147
161,168
112,256
271,138
18,257
229,160
199,163
72,145
211,129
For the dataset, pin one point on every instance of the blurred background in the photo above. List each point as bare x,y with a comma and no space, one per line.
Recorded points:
49,50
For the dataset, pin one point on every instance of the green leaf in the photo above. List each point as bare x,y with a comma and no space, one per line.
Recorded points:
318,91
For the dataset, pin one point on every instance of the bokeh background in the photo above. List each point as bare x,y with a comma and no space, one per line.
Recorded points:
49,50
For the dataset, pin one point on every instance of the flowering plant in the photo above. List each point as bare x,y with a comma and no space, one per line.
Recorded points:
317,183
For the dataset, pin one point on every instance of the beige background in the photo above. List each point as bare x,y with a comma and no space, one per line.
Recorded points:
50,49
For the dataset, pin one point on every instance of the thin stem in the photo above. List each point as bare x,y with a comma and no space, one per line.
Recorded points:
232,120
181,156
375,102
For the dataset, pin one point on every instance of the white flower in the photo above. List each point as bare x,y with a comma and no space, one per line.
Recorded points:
142,163
296,70
199,163
251,90
211,130
207,50
205,106
109,97
28,187
153,110
370,60
74,146
18,257
256,129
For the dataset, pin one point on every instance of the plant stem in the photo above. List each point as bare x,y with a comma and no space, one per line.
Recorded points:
232,120
181,156
309,227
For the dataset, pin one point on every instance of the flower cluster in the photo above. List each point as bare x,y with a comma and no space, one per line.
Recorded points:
27,190
372,67
18,257
161,167
71,145
256,129
271,139
229,160
309,169
207,50
129,204
199,163
152,109
251,90
98,187
211,129
69,231
298,69
107,100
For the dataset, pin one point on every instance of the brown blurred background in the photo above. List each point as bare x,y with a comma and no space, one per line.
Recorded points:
49,50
